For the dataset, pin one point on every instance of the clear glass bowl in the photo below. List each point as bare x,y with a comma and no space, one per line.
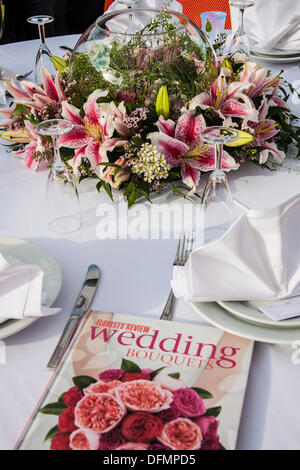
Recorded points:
133,52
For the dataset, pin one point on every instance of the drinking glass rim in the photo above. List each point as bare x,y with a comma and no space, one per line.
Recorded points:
220,14
129,11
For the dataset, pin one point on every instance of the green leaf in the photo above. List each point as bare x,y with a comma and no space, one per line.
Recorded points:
156,372
213,411
82,381
208,26
99,186
202,393
51,433
129,366
107,189
53,408
174,375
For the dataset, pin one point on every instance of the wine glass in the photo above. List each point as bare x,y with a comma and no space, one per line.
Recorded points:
63,209
217,203
43,56
240,41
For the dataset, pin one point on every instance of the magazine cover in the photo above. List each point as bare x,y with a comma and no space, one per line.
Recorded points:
131,383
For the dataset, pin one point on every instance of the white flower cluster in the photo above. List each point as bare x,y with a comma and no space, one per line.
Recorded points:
150,163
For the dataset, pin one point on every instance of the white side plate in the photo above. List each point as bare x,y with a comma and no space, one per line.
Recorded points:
16,250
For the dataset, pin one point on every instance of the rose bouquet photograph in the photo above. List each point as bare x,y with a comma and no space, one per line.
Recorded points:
140,410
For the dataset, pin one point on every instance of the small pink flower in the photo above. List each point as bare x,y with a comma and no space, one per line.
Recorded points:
181,434
144,395
83,439
111,374
102,387
99,412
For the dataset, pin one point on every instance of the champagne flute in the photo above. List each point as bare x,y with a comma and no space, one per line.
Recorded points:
240,41
43,56
62,200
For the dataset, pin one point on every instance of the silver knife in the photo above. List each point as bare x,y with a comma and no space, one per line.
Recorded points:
82,304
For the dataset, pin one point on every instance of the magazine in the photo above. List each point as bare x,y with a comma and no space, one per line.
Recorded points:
132,383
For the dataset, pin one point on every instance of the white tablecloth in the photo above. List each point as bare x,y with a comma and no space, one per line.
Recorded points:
135,280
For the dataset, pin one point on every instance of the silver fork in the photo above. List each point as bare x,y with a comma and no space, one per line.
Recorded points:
184,248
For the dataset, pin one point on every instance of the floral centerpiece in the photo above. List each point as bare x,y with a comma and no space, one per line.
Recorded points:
133,409
139,104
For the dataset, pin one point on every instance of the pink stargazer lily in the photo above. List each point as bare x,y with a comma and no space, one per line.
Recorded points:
182,146
35,144
36,97
226,100
264,130
91,135
259,79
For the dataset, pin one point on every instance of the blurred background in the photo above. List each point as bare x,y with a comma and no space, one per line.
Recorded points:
70,17
75,16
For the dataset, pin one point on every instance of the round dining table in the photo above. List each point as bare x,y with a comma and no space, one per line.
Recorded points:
135,280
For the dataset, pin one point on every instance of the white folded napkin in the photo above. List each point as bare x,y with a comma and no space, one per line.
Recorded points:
21,291
258,258
274,24
140,20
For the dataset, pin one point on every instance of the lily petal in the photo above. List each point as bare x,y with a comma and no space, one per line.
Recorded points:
49,85
190,177
189,128
76,138
167,127
60,92
72,113
171,148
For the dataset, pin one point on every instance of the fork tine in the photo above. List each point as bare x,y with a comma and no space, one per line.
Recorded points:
189,247
178,251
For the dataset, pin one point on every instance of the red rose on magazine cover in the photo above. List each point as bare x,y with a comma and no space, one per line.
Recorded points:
141,427
99,412
181,434
66,420
143,395
72,396
60,441
128,377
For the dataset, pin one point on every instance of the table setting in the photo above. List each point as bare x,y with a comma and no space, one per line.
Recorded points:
150,168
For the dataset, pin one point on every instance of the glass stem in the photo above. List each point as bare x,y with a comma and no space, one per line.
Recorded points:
242,11
218,156
42,33
58,163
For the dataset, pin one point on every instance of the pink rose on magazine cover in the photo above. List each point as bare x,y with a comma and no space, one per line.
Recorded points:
169,383
99,412
158,447
66,420
102,387
60,441
211,442
72,396
111,440
83,439
141,427
189,402
181,434
111,374
207,425
133,446
144,395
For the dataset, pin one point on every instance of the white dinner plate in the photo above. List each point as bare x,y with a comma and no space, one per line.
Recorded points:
217,316
16,251
249,311
277,59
